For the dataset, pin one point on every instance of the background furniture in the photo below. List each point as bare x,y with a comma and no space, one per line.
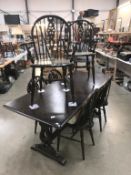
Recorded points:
113,54
9,68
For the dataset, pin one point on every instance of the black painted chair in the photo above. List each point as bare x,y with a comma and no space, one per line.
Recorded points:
102,102
82,39
50,35
81,121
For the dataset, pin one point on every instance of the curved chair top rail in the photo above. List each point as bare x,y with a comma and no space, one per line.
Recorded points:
82,20
82,33
48,16
50,34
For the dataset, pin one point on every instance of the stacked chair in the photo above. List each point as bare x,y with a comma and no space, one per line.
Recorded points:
82,39
51,40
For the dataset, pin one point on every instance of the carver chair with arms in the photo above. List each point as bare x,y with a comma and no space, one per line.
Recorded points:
50,35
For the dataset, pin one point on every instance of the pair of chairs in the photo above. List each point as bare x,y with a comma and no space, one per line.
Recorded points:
58,45
84,117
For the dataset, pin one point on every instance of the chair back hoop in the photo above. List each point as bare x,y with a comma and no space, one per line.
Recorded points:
51,34
87,111
104,93
82,35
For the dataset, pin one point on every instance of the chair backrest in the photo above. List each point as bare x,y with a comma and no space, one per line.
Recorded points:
82,35
104,93
50,34
87,111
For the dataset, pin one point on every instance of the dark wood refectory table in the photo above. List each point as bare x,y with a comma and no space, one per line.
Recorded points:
53,111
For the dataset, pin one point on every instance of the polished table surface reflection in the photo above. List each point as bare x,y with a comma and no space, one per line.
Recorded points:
54,110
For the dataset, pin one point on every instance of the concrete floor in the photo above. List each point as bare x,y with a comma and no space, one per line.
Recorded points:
110,156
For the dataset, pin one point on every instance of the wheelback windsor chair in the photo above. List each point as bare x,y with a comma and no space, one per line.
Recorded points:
82,39
51,39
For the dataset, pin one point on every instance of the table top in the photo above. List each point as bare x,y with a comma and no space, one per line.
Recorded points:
12,59
112,57
53,103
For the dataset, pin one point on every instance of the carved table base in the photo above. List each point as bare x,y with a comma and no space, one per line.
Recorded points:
47,136
50,152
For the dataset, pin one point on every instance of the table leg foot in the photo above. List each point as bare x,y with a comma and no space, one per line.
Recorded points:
50,152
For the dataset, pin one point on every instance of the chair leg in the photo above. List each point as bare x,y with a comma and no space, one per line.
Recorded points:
76,65
104,110
35,130
100,121
82,143
93,69
58,142
88,67
92,137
